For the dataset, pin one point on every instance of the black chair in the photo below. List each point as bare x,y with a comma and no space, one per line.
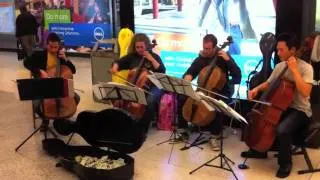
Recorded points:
313,129
301,142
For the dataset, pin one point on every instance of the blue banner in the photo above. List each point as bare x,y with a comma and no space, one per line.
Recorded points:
81,34
177,63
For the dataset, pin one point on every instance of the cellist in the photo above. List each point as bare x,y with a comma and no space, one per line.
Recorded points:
297,116
42,61
227,65
140,49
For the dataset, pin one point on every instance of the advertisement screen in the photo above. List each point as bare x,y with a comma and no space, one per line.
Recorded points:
318,16
7,17
179,26
80,23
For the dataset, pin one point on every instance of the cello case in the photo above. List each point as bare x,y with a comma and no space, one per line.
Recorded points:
267,46
111,128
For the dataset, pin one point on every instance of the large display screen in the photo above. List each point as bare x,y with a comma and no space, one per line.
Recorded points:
179,26
318,16
7,17
80,23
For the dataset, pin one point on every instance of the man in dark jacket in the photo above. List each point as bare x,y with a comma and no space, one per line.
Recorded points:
41,62
26,30
225,62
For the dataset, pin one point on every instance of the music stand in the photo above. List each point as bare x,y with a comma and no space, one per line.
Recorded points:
176,86
116,91
225,109
40,89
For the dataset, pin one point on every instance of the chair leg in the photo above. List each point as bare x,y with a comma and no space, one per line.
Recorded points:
308,161
34,116
70,138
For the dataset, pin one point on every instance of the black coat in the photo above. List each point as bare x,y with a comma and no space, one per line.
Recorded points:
26,24
229,67
38,60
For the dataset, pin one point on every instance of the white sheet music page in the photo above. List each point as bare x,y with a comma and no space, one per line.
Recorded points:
104,91
173,84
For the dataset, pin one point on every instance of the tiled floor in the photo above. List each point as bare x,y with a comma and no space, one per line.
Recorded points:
151,161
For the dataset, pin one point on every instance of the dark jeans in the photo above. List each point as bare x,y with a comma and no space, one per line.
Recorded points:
152,107
292,122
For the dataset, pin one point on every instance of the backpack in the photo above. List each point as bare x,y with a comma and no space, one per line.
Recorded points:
166,112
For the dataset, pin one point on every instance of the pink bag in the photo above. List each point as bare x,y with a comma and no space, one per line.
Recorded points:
166,113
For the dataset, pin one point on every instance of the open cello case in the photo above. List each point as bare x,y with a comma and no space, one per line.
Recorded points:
112,128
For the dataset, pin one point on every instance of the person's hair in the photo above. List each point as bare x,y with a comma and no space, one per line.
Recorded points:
23,8
53,37
305,50
290,39
139,37
210,38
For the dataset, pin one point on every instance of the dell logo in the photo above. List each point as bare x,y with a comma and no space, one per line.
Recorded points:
98,33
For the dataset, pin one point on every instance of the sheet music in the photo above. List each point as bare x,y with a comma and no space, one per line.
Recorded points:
219,104
173,84
205,103
113,90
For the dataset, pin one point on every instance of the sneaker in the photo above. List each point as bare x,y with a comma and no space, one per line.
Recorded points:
214,143
183,135
284,171
254,154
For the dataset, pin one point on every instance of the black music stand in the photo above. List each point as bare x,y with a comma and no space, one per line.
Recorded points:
40,89
225,109
176,86
116,91
182,87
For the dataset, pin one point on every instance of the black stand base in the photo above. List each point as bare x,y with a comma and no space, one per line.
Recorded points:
173,139
243,165
44,127
223,159
198,141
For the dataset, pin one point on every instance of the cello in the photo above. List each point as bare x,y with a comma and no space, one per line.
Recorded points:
61,107
137,77
210,78
263,120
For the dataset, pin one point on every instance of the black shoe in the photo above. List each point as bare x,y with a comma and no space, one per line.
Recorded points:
254,154
284,171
